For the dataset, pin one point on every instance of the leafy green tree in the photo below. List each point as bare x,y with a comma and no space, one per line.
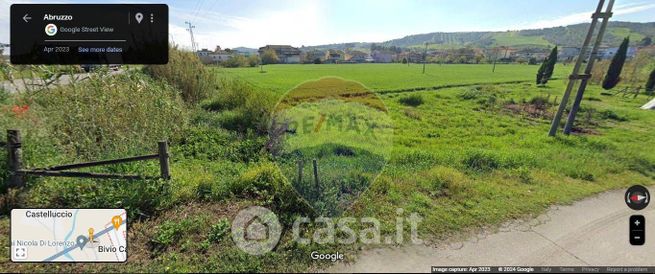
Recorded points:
235,61
613,75
253,60
550,67
647,41
532,61
269,57
650,85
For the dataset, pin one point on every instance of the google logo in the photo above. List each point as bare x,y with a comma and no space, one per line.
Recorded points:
51,29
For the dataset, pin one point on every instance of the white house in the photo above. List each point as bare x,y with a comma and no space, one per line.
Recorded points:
213,57
608,53
287,54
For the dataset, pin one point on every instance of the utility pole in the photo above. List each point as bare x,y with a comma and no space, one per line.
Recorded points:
425,56
190,30
578,64
495,58
590,64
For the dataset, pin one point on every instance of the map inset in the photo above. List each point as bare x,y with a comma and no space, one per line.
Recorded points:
68,235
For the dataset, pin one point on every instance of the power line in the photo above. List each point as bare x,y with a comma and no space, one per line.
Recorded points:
200,5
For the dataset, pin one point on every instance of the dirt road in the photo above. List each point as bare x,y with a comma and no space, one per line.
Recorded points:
593,231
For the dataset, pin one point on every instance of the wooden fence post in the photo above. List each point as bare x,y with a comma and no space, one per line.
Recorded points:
164,161
14,154
316,181
300,167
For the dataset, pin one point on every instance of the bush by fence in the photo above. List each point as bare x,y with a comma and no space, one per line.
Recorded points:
186,72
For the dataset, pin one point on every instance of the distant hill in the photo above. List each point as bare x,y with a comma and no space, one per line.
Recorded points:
245,50
572,35
342,46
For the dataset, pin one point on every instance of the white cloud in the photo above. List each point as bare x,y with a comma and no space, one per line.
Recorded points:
301,23
583,17
633,9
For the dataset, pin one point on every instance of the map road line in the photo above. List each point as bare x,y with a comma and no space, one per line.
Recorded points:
95,236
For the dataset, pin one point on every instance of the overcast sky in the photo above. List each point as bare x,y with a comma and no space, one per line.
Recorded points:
255,23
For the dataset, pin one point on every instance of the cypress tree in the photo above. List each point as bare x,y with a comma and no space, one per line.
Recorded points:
541,73
614,72
650,85
552,61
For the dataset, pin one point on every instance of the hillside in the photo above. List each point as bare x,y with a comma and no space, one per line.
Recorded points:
563,36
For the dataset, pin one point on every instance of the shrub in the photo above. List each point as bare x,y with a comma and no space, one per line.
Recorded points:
218,231
412,114
269,57
242,108
650,85
443,181
4,95
214,143
265,181
259,181
253,60
540,102
232,94
481,161
186,72
123,114
170,232
413,100
382,185
470,94
235,61
140,198
611,115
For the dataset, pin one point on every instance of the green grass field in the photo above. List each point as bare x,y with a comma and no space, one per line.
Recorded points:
479,155
385,77
463,158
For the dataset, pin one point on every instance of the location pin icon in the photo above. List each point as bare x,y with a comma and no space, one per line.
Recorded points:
117,221
81,241
139,17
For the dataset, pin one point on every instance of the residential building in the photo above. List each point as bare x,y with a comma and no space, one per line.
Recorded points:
357,57
383,56
334,56
608,53
213,57
285,53
568,54
528,53
312,56
412,56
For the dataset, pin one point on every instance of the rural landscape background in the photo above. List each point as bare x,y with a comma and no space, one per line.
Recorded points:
469,148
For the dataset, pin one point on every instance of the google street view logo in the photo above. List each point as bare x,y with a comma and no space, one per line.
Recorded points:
51,29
